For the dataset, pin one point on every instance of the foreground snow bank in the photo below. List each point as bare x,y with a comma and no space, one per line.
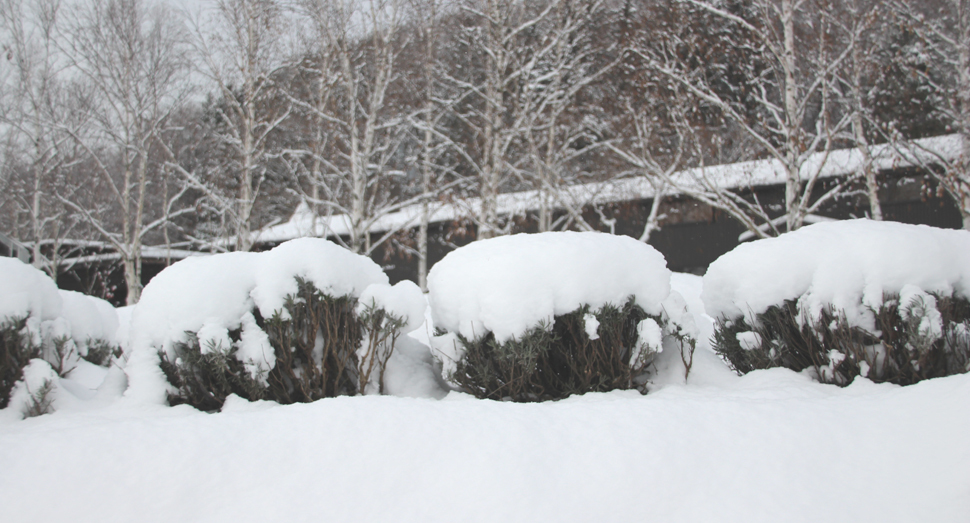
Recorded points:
771,446
510,284
850,265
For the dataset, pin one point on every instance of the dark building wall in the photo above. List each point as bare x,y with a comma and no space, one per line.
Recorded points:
106,280
693,234
691,247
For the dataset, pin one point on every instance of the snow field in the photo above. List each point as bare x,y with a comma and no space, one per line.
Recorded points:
771,446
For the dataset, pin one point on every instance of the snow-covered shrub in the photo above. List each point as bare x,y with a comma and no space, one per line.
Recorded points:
84,329
17,348
35,393
93,325
28,299
884,300
544,316
50,331
283,325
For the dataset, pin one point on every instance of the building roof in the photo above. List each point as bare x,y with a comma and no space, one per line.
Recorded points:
14,248
756,173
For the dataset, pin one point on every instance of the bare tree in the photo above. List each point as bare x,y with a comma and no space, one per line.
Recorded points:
786,104
864,20
130,55
36,111
502,35
355,50
660,143
556,130
241,48
861,23
943,28
428,13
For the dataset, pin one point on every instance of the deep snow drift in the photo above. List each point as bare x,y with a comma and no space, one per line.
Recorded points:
772,446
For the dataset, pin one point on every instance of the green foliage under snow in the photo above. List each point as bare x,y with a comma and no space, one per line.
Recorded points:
927,337
323,348
555,361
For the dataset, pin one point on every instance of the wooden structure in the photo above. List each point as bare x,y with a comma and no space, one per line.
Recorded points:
12,248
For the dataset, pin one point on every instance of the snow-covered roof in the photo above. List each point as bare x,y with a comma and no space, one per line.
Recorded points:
15,248
756,173
147,252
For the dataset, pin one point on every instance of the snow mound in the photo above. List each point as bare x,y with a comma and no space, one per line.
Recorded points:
848,265
511,284
210,296
26,291
63,325
404,300
90,319
38,375
332,269
411,371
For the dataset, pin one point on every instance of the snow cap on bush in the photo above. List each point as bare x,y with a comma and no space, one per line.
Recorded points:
37,392
510,284
90,318
404,300
848,265
212,295
26,291
201,293
333,270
